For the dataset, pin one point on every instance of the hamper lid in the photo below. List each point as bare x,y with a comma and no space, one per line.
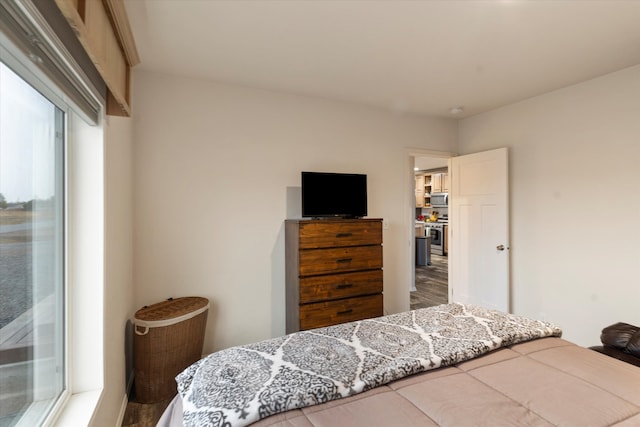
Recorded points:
170,311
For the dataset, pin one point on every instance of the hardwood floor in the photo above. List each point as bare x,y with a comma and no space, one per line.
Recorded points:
143,414
431,289
431,283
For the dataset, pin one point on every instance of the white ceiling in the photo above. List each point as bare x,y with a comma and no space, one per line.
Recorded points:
416,56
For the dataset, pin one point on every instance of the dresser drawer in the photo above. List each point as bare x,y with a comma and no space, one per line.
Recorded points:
326,234
338,260
336,286
321,314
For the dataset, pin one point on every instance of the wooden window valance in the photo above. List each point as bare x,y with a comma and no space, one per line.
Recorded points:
102,27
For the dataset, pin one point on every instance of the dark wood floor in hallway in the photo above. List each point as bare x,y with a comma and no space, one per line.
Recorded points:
431,283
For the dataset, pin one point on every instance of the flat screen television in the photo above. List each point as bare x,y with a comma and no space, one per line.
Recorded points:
326,194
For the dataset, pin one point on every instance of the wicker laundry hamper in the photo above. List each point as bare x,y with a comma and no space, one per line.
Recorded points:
168,338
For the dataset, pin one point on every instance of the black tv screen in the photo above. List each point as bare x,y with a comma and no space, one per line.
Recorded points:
327,194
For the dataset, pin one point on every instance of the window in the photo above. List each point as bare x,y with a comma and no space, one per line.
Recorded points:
51,221
32,368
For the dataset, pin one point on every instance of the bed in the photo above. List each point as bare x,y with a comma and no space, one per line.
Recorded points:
450,365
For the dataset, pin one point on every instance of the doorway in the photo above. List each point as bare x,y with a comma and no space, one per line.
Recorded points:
431,264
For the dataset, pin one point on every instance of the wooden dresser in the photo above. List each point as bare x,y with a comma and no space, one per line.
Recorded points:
333,271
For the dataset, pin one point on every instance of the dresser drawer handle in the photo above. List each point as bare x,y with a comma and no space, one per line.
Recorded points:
344,235
342,313
344,286
343,260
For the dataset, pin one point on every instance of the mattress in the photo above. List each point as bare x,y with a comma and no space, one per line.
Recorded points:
536,381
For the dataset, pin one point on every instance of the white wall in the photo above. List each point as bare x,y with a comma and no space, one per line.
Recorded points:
217,171
575,201
118,289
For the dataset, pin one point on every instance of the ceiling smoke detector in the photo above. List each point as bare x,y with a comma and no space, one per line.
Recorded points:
456,110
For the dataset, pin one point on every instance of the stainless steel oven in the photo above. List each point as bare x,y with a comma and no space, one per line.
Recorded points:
436,230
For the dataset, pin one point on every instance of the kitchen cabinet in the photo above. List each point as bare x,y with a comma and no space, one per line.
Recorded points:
446,239
333,272
419,191
423,190
440,182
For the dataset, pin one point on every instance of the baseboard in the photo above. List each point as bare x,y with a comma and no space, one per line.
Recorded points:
123,409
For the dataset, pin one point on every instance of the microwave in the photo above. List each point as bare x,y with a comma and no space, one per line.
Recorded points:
439,200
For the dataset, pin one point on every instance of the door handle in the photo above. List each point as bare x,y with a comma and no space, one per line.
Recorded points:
500,247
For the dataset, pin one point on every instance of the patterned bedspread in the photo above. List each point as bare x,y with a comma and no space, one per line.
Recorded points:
240,385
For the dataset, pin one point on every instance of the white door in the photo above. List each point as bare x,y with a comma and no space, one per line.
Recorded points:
479,231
